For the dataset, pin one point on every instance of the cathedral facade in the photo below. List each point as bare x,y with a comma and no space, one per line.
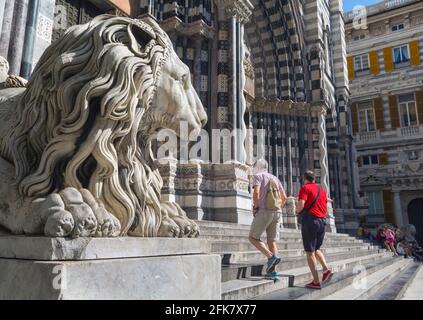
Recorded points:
277,65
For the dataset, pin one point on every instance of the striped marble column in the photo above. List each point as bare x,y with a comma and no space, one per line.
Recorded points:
222,74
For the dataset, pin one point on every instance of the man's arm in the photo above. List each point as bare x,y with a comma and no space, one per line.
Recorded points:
256,194
300,206
283,197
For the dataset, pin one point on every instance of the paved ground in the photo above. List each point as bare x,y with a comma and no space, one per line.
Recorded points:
415,290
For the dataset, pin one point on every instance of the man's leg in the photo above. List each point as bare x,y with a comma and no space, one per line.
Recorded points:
273,234
258,226
321,258
319,242
261,246
311,260
272,246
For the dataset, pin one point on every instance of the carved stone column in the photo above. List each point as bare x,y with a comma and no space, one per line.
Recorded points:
290,221
321,112
236,13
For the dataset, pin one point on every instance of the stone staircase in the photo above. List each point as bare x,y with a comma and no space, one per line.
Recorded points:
363,271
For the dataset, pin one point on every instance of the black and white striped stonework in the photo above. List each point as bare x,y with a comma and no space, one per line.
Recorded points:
274,40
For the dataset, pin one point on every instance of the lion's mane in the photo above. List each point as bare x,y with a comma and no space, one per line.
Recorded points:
80,122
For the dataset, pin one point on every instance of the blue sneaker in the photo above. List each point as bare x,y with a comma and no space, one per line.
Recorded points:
272,275
272,262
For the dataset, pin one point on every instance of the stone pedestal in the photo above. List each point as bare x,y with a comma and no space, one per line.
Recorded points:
192,185
291,217
330,220
120,268
232,199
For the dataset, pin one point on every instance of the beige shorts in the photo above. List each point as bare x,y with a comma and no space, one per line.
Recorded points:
264,221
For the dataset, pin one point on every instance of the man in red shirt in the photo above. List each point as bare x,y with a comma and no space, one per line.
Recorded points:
312,203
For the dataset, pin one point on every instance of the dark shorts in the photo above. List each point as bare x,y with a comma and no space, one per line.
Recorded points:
313,232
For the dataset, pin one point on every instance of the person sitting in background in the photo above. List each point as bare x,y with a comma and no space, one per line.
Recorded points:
390,240
404,249
367,235
360,232
380,238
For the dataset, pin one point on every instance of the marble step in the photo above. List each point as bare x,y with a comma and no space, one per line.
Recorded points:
282,238
212,231
342,278
227,246
252,287
414,291
395,289
231,228
254,255
239,271
373,282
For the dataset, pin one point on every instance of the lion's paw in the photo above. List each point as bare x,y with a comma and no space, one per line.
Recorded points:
75,213
187,227
107,224
168,228
59,224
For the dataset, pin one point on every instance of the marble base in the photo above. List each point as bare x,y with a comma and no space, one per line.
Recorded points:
330,220
98,269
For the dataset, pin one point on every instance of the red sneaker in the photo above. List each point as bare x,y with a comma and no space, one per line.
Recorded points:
313,285
327,275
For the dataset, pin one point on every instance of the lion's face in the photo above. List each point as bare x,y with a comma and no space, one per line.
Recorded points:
176,100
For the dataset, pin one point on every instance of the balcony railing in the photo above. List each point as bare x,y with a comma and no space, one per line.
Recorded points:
413,131
367,136
410,131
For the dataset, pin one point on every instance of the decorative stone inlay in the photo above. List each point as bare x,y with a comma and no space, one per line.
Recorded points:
44,28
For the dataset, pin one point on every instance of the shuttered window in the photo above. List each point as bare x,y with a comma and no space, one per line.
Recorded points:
419,100
407,110
361,62
414,52
388,59
374,62
401,54
366,117
379,114
354,117
351,73
383,159
393,110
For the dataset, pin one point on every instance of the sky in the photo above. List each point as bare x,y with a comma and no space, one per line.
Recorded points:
350,4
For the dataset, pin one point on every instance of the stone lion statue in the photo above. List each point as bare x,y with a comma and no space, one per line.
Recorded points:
75,143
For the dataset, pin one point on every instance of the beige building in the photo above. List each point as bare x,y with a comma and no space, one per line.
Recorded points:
386,84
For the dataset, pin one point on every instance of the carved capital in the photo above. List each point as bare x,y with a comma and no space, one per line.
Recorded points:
319,109
240,9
